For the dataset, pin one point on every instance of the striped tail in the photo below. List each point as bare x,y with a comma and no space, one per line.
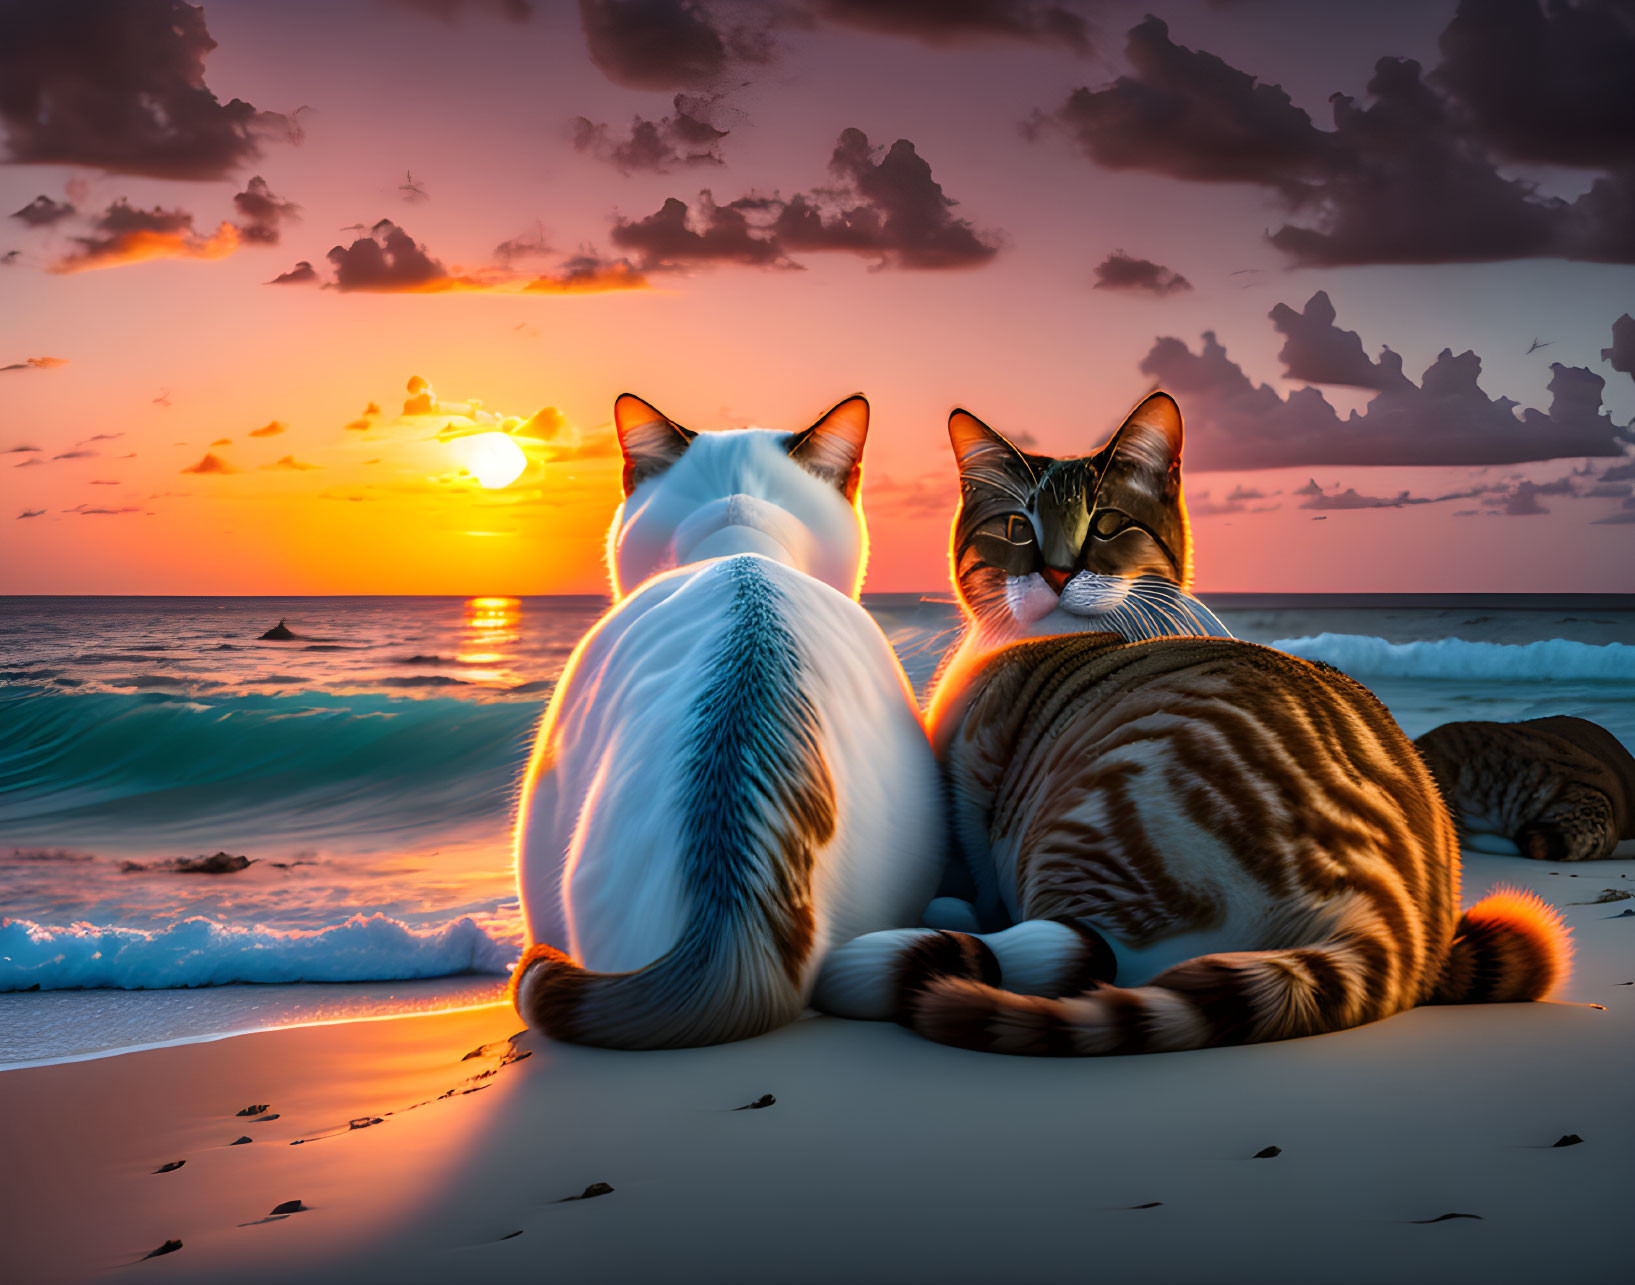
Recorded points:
760,804
1511,945
704,991
1242,997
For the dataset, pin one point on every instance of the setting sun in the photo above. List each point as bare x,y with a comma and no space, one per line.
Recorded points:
494,459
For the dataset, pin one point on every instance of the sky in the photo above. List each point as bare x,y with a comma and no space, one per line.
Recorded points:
270,271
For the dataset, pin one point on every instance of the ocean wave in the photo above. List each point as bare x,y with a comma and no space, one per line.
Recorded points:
1363,656
81,765
203,952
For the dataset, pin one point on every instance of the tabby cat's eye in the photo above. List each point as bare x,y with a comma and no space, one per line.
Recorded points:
1009,544
1109,522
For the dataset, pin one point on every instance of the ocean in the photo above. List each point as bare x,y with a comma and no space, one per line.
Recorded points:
366,769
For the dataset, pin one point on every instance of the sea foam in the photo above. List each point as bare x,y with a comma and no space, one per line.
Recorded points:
202,952
1362,656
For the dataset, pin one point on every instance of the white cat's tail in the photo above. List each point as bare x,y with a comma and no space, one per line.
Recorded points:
759,805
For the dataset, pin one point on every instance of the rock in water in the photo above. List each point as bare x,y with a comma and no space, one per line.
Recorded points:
289,1207
760,1103
1266,1153
589,1193
169,1247
177,1164
258,1109
278,633
1567,1140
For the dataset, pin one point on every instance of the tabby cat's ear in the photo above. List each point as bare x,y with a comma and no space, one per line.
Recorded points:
832,448
986,455
650,442
1151,436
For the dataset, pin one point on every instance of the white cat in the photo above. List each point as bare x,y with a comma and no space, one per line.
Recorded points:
731,777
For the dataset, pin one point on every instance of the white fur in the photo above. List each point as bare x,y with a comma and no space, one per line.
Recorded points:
599,860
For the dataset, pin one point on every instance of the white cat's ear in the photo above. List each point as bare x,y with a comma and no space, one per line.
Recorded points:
985,455
1152,433
832,448
650,441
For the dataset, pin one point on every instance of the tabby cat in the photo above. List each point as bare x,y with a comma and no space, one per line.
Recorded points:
732,774
1554,789
1197,841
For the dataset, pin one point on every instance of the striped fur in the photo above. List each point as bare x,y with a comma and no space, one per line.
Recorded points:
1560,789
1258,842
761,803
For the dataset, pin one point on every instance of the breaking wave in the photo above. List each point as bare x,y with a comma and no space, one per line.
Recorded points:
203,952
1362,656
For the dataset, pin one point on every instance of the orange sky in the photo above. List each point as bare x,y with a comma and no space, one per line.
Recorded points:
170,346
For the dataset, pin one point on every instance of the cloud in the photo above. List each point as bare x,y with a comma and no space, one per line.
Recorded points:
222,441
291,463
272,428
1521,501
1619,472
36,363
930,495
529,245
301,274
34,462
120,87
422,400
1621,356
1446,418
124,234
30,513
77,455
263,213
1624,513
1552,85
590,274
388,260
1118,271
1410,177
1317,351
884,204
86,511
100,437
666,44
18,450
518,11
210,464
688,137
946,22
1189,114
42,212
673,235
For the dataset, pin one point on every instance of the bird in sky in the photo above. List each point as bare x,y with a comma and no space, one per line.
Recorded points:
411,190
1536,345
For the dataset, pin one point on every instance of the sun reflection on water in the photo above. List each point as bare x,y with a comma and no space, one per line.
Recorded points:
491,628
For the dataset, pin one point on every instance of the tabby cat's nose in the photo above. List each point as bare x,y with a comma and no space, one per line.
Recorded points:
1057,580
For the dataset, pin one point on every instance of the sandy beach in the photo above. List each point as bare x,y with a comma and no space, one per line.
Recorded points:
883,1158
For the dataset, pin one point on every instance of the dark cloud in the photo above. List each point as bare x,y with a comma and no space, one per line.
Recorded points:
42,212
1521,501
86,511
1621,356
210,464
32,462
1555,85
518,11
125,234
529,245
589,274
883,204
77,454
35,363
1202,504
1405,186
387,260
667,44
1623,514
1408,177
1319,352
1620,472
11,258
30,513
673,235
272,428
690,136
119,85
19,450
1119,271
303,273
1189,114
263,214
943,22
1234,423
